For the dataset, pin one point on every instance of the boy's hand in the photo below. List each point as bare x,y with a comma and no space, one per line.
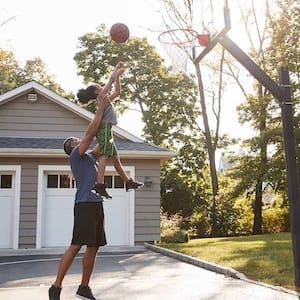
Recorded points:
115,73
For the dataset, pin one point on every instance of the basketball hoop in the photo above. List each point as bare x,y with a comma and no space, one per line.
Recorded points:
178,43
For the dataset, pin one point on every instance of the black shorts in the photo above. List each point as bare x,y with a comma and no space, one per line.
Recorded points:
89,224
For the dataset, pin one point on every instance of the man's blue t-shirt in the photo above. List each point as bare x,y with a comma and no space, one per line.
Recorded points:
84,170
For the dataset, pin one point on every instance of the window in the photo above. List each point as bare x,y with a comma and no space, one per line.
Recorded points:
52,181
119,183
5,181
60,181
67,181
108,181
112,181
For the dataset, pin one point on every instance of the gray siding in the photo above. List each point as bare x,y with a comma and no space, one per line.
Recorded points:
28,197
147,202
43,118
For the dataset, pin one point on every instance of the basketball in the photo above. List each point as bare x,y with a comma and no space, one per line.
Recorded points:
119,32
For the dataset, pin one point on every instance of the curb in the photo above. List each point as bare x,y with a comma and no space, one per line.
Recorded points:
215,268
198,262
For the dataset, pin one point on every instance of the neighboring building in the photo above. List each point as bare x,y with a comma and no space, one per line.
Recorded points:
36,184
269,195
224,164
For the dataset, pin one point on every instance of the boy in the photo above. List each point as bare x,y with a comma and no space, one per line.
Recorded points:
104,134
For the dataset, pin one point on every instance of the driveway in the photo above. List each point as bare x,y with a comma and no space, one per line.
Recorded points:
140,275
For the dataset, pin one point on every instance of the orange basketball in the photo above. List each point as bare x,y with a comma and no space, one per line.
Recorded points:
119,32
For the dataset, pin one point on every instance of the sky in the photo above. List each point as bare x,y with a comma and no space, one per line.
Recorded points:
50,30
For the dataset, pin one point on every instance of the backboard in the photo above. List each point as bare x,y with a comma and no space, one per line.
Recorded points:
214,19
209,21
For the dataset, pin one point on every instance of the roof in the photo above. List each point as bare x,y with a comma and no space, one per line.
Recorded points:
77,109
128,145
13,146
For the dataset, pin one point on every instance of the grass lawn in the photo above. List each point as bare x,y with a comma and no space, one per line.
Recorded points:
267,258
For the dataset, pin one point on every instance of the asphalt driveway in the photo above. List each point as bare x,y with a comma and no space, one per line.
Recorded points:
140,275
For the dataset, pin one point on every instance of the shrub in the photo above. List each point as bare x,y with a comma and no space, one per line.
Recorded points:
171,231
276,220
174,236
201,223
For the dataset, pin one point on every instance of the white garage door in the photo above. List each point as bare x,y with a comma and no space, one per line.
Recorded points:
57,210
9,206
117,212
57,222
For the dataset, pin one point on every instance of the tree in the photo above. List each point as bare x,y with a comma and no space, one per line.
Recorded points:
261,110
36,70
8,71
183,182
181,16
165,101
255,112
284,50
13,75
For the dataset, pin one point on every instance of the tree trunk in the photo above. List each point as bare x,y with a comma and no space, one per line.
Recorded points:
211,153
257,225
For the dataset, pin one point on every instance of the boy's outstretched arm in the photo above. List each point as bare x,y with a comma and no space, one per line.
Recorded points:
111,80
117,90
108,85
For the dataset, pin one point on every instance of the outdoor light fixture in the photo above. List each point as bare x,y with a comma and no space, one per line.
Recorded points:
32,97
147,181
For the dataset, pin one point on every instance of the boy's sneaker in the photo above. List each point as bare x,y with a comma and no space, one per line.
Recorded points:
100,189
54,293
84,292
130,184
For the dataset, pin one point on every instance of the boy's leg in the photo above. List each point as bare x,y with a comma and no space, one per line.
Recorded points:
119,168
101,168
100,187
129,183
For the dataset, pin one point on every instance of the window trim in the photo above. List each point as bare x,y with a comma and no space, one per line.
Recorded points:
16,183
11,180
43,169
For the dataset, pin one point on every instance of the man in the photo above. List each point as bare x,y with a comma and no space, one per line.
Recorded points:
88,210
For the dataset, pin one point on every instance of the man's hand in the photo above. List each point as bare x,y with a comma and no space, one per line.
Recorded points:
120,72
122,64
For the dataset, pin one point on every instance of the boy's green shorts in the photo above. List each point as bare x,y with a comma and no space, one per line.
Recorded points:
105,140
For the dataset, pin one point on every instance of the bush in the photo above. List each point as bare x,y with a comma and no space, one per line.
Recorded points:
276,220
201,223
174,236
171,231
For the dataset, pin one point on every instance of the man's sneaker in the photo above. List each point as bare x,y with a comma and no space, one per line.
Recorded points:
130,184
84,292
100,189
54,293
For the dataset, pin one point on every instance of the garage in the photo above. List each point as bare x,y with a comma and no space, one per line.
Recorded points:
55,208
9,206
32,149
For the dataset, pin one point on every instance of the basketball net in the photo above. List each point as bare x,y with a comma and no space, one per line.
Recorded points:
178,44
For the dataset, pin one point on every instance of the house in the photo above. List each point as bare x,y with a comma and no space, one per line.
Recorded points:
36,185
